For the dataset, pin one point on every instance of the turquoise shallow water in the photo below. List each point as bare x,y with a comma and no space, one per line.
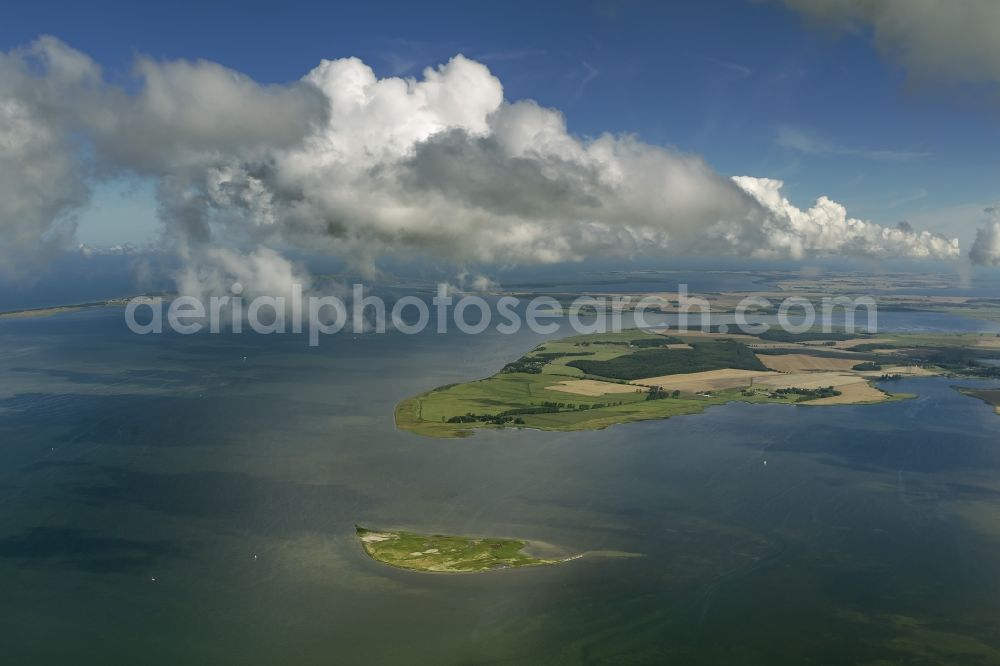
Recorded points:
192,500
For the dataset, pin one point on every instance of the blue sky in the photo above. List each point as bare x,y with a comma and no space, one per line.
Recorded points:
746,85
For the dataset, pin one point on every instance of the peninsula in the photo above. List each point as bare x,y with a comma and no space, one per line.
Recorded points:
594,381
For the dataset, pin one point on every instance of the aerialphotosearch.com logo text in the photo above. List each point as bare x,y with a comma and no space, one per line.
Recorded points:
472,314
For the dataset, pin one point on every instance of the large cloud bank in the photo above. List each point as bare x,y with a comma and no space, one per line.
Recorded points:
934,41
344,162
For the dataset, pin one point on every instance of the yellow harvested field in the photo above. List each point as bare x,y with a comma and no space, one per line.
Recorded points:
811,380
851,394
591,387
682,345
806,363
989,343
710,380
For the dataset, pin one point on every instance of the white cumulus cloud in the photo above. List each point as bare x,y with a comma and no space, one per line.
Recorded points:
360,166
826,228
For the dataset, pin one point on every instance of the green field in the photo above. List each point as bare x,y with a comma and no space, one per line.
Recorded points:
442,553
713,355
945,340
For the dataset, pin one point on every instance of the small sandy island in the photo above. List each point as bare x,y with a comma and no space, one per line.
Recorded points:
989,396
42,312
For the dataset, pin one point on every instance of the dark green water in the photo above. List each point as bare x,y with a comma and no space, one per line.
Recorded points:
165,501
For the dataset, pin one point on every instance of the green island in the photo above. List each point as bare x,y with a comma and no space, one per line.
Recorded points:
594,381
53,310
448,554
